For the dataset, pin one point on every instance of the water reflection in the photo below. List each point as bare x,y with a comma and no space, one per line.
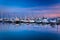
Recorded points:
34,27
29,31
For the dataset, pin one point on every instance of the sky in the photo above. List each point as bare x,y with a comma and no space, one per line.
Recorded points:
47,8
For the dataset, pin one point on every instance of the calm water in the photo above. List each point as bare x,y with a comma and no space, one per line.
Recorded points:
29,31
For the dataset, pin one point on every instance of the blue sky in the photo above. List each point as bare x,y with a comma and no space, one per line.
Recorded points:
30,7
28,3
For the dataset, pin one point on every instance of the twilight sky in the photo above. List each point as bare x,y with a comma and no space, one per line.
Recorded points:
47,8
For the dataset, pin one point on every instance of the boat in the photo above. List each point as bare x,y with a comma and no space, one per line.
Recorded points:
16,20
7,20
38,20
45,20
1,19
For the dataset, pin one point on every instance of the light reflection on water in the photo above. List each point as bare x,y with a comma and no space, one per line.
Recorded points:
33,27
29,31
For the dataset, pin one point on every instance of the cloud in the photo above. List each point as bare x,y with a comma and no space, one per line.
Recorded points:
50,11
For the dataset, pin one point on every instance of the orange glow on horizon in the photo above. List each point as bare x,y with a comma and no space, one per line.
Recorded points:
49,15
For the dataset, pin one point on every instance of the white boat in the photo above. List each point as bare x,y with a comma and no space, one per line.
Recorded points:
6,19
27,20
16,19
12,20
1,19
58,20
38,20
53,20
31,21
45,20
24,20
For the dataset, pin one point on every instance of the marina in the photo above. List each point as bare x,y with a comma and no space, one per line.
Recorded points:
35,23
29,19
38,21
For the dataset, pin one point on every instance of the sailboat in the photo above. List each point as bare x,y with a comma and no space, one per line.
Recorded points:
16,20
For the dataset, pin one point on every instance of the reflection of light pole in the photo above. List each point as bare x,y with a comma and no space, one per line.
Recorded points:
57,24
57,28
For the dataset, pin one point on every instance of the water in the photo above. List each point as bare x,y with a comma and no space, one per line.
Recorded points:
29,32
